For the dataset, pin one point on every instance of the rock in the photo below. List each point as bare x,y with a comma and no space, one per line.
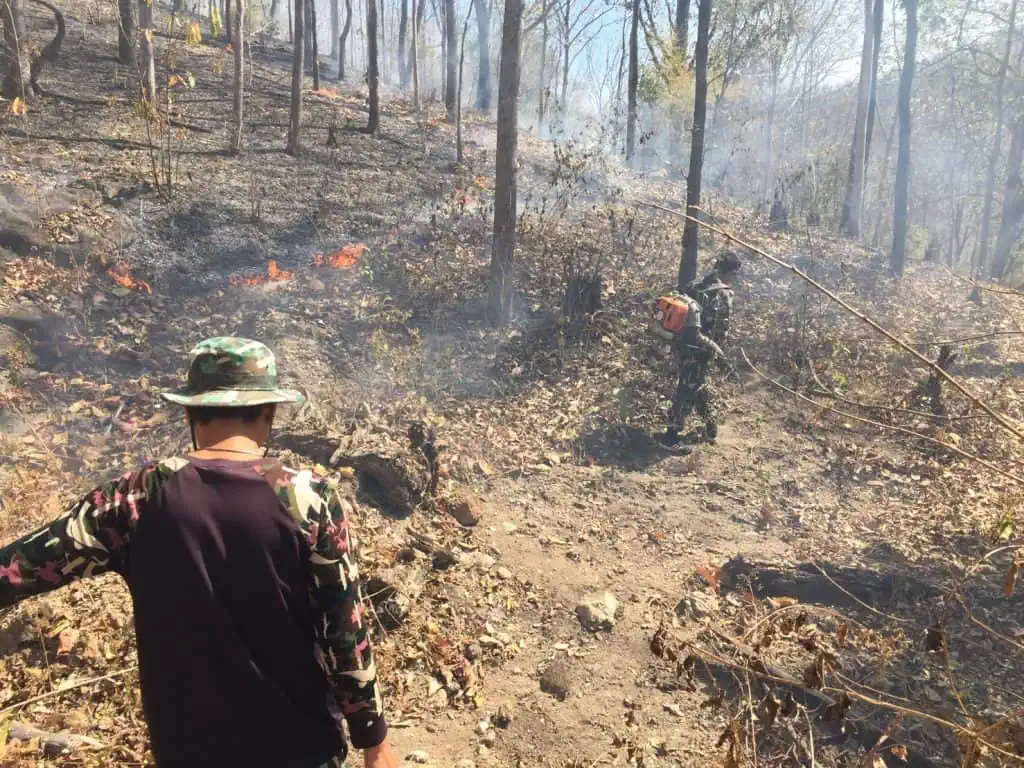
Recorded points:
488,739
556,681
698,605
483,727
473,652
443,560
504,573
503,719
419,756
479,560
468,510
597,611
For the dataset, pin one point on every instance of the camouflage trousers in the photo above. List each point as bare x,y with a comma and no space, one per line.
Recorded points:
692,394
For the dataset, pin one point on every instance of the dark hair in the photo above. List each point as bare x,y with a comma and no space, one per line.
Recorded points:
204,414
728,261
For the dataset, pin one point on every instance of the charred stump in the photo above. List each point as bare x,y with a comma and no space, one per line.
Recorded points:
582,295
778,217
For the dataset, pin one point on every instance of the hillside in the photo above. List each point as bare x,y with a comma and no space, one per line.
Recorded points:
868,567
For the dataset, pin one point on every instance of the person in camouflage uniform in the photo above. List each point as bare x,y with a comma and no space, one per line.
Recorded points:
701,344
244,578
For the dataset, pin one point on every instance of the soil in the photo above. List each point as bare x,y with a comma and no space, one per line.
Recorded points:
549,424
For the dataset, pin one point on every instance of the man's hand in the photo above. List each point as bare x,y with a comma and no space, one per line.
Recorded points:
380,756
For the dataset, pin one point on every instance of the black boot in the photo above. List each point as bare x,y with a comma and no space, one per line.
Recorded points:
711,432
671,436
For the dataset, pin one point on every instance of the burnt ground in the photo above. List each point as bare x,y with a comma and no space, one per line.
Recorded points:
549,422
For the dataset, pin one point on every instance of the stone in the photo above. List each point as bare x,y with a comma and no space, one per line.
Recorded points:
503,719
488,739
556,680
504,573
473,651
698,605
597,611
418,756
468,510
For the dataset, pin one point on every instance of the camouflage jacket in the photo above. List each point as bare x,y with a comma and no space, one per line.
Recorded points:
716,300
95,535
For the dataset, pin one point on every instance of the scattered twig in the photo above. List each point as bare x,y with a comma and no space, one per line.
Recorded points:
948,446
66,688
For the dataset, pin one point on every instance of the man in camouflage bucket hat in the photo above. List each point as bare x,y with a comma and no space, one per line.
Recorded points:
244,579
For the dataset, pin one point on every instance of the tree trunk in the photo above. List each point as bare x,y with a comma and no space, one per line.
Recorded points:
869,128
291,24
372,68
505,191
767,196
458,99
981,252
483,36
335,27
343,40
1013,206
853,204
634,80
16,74
688,262
563,106
314,48
228,27
403,51
126,31
451,61
147,63
294,147
899,219
414,55
681,29
236,133
543,69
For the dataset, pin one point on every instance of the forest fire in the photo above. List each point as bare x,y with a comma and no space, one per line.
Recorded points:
121,275
272,275
345,258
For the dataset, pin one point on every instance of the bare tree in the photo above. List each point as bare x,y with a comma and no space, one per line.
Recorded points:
482,10
1013,205
335,27
853,204
681,28
294,146
414,55
899,228
634,80
373,68
403,51
343,40
125,31
688,261
981,251
451,60
542,70
505,187
458,107
228,26
17,74
236,132
869,128
147,64
313,49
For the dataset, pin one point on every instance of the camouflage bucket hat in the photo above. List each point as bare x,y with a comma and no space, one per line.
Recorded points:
230,371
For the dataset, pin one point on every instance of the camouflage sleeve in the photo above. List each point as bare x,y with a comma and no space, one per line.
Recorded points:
88,539
723,316
342,633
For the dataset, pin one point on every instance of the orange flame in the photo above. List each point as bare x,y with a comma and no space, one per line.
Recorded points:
121,275
273,275
344,259
327,93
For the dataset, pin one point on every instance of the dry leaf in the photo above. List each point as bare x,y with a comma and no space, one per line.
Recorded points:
710,574
1011,578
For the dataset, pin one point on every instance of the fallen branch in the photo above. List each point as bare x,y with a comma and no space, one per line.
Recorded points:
948,446
66,688
906,347
979,337
52,743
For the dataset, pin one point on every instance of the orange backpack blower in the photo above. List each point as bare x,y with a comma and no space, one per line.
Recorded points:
669,316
